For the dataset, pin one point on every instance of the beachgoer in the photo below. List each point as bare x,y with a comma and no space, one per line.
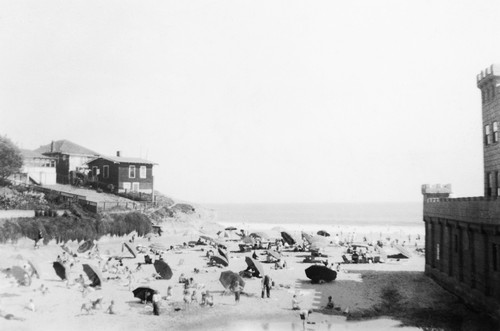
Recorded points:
330,304
203,298
156,303
295,303
209,299
187,298
169,293
254,255
236,288
111,308
182,279
38,238
31,305
194,297
266,286
304,316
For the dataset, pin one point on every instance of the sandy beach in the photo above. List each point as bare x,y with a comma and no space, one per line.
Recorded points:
358,289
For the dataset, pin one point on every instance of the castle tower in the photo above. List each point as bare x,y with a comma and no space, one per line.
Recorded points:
488,81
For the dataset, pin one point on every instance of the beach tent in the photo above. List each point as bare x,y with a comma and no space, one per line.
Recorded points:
60,270
158,247
94,274
34,268
227,278
163,269
130,249
255,265
85,246
223,253
323,233
318,273
217,259
287,238
18,273
275,255
145,293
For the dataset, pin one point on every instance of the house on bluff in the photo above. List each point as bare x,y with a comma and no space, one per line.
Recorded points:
125,174
70,158
462,235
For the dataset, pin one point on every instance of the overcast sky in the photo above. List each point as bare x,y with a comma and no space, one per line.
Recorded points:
258,101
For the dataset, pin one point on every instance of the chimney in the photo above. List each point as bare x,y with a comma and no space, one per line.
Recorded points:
52,146
118,153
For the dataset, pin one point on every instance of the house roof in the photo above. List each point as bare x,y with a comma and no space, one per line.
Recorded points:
120,159
27,154
65,147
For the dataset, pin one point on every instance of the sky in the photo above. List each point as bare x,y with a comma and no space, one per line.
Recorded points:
258,101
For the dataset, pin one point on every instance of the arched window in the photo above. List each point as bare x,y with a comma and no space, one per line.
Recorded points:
487,134
495,132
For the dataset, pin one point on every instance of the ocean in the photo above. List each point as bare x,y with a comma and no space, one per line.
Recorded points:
366,217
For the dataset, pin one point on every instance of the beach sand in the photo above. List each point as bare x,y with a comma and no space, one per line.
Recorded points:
358,287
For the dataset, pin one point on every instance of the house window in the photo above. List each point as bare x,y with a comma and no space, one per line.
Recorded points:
142,172
487,134
495,132
94,171
126,186
105,171
437,252
135,187
131,171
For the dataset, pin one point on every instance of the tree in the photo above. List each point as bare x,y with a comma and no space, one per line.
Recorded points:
11,159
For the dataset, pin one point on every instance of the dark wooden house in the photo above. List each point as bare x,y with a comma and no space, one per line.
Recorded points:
126,174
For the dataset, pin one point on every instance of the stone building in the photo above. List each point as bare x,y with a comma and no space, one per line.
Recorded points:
462,251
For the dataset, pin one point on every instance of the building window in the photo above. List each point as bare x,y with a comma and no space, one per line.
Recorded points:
135,186
94,171
437,252
126,186
498,184
495,132
131,171
491,179
487,134
142,172
105,171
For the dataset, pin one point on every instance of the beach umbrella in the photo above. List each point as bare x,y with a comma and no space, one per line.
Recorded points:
261,235
219,260
130,249
274,254
230,228
227,278
223,253
317,273
406,254
163,269
145,293
60,270
323,233
85,246
158,247
287,238
18,273
256,265
307,237
35,268
67,250
94,274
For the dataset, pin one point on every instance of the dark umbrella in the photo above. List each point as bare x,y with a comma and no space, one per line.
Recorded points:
227,278
60,270
94,274
130,249
219,260
230,228
18,273
85,246
318,273
323,233
35,268
144,293
287,238
163,269
223,253
256,265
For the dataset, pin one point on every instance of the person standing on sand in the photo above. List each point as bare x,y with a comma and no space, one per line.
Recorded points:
266,286
236,288
156,303
304,316
295,303
111,308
